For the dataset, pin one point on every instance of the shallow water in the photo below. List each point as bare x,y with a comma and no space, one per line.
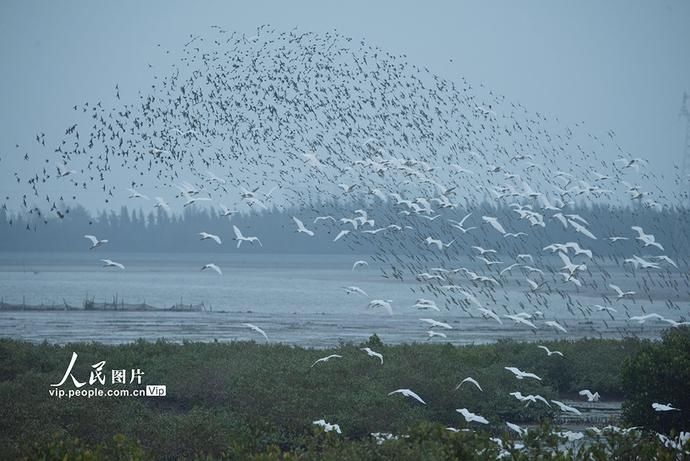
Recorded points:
296,299
311,330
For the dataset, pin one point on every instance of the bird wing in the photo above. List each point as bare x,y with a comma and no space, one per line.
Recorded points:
257,329
581,229
238,234
560,405
465,413
325,218
565,259
410,393
481,419
562,219
356,290
93,239
471,380
359,263
494,223
509,268
542,399
515,427
462,221
325,359
553,323
491,314
341,234
527,322
617,289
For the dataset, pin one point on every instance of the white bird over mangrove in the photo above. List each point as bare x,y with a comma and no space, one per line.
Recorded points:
549,352
522,374
591,397
408,393
471,417
326,359
435,323
664,407
372,353
566,408
469,379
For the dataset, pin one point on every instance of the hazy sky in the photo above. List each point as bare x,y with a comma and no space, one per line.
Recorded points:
620,65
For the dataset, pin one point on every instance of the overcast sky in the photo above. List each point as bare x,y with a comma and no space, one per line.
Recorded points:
620,65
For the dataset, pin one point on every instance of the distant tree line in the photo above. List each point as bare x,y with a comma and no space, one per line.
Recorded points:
133,230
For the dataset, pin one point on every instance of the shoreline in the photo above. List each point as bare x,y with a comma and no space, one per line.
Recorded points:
315,330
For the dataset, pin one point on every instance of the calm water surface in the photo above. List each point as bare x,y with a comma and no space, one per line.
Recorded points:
297,299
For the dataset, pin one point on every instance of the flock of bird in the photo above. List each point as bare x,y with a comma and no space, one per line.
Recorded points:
470,417
309,122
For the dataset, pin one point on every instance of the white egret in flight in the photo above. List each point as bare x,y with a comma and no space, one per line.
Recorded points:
326,359
241,238
408,393
257,329
212,267
471,417
207,236
94,241
109,263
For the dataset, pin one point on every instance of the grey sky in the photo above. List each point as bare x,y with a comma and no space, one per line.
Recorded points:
620,65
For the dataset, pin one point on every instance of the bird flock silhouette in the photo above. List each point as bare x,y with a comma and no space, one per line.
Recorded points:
298,119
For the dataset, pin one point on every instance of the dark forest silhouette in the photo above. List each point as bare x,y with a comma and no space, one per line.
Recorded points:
131,230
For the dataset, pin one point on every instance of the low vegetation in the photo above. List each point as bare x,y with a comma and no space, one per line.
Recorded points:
258,401
659,372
